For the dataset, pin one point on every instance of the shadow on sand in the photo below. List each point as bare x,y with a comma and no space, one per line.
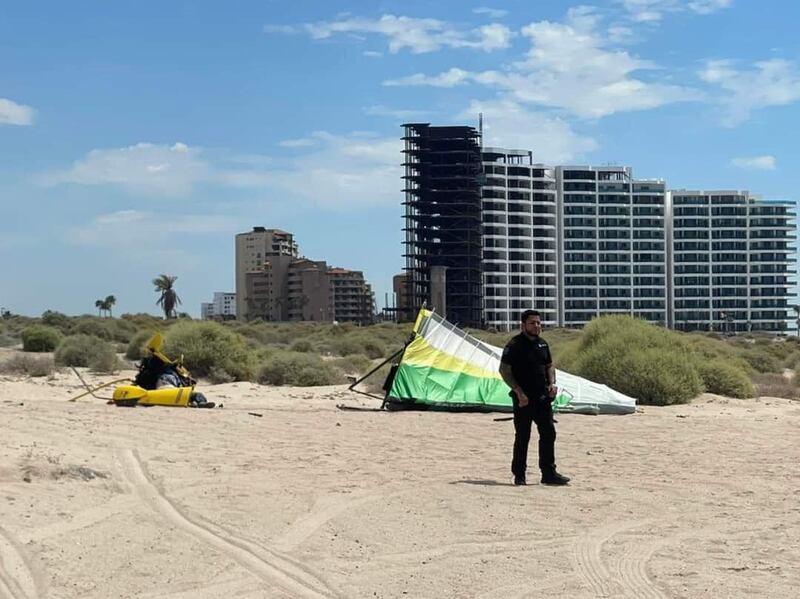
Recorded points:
482,482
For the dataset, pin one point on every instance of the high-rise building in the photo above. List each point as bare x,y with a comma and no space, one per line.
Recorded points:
443,220
520,238
613,250
731,261
575,242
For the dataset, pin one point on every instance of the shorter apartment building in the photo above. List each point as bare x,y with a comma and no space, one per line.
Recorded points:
613,244
280,286
253,249
222,306
732,258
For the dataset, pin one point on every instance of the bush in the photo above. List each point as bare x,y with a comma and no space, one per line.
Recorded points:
776,385
297,369
762,361
96,327
218,376
39,338
723,378
207,345
357,343
84,350
28,365
105,362
639,359
345,346
301,345
56,320
354,364
136,346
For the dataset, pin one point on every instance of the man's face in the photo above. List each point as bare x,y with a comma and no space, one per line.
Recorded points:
532,326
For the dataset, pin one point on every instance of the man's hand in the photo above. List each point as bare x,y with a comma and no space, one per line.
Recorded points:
522,398
552,390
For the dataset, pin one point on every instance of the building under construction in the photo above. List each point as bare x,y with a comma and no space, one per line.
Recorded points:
443,221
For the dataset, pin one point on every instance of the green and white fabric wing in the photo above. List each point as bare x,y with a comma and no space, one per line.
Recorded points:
446,368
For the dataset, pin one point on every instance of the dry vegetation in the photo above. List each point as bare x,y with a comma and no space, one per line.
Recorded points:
643,360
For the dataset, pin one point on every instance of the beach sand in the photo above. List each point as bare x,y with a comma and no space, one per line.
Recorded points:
306,500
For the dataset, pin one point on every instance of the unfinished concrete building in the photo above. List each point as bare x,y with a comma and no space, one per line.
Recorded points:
443,228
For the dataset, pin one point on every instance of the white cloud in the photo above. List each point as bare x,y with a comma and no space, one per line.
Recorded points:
705,7
417,35
763,163
302,142
507,124
285,29
395,113
104,229
335,171
651,11
144,167
773,82
492,13
372,53
12,113
451,78
344,173
570,66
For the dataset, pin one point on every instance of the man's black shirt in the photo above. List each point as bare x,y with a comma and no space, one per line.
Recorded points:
529,359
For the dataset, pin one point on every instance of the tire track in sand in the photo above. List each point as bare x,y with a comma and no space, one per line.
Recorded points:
324,510
588,561
17,578
632,569
261,562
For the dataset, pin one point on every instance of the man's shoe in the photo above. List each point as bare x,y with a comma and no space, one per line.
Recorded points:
519,481
555,479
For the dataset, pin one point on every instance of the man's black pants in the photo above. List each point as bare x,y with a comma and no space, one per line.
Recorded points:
539,411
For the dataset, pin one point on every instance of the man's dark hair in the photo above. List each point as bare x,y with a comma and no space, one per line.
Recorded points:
528,313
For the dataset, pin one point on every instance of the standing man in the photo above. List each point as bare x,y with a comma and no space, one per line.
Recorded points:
527,367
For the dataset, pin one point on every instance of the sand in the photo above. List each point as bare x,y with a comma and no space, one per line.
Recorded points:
306,500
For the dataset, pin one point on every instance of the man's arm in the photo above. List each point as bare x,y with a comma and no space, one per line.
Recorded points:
551,379
508,377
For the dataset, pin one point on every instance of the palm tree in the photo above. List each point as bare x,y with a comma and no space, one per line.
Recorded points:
169,299
100,305
108,302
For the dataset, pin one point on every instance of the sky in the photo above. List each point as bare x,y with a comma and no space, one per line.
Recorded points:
137,138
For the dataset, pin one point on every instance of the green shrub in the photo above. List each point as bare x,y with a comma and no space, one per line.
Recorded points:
84,350
105,362
639,359
707,348
7,340
345,346
776,385
28,365
297,369
94,326
724,378
218,376
136,349
207,345
354,364
301,345
57,320
40,338
762,361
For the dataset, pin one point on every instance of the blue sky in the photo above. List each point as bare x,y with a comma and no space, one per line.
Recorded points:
139,138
